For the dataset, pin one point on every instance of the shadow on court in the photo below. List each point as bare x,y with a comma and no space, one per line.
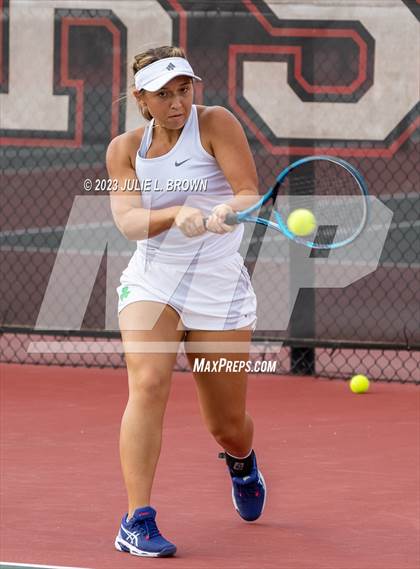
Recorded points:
342,472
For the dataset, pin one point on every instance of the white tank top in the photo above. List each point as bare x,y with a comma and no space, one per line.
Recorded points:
189,175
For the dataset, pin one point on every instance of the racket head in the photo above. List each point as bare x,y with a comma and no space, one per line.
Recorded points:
331,188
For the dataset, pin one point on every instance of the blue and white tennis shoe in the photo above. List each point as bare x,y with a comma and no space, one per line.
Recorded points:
141,536
249,493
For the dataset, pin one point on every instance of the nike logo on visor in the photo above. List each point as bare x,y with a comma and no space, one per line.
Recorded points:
183,162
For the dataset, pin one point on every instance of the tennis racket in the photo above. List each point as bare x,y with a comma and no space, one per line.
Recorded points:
329,187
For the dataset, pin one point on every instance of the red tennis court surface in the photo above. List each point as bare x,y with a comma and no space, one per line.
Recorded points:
342,473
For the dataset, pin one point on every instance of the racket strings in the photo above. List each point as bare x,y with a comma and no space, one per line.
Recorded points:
321,177
308,185
331,193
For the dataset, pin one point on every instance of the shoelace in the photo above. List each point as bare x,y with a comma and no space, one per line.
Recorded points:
249,490
148,528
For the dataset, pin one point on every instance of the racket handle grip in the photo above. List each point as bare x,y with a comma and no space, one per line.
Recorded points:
230,219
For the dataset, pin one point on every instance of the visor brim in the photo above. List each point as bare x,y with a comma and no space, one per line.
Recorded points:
160,82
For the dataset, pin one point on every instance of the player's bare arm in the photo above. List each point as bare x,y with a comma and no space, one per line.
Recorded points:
225,139
134,222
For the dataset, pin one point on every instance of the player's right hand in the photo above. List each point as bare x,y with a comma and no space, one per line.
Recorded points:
190,221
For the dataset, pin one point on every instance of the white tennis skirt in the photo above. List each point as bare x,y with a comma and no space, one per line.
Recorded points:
215,295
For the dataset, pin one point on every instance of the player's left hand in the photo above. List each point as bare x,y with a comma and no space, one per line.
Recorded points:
215,221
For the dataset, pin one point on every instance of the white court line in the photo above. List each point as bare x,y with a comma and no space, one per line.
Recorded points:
11,564
106,224
116,347
23,249
398,196
57,228
90,252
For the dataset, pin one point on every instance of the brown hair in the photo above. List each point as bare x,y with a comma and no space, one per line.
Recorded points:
150,56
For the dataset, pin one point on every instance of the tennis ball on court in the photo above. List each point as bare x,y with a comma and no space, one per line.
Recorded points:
359,384
301,222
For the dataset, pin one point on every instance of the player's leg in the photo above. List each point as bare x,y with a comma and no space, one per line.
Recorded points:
222,397
149,380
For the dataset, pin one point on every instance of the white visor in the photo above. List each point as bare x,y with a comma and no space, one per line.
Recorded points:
154,76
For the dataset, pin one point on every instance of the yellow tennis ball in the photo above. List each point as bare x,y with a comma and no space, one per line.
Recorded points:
301,222
359,384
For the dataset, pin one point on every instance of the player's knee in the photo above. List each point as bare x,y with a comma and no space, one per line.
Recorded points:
148,382
228,432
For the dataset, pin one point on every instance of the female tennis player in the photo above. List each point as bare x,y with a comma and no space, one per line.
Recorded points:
185,282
